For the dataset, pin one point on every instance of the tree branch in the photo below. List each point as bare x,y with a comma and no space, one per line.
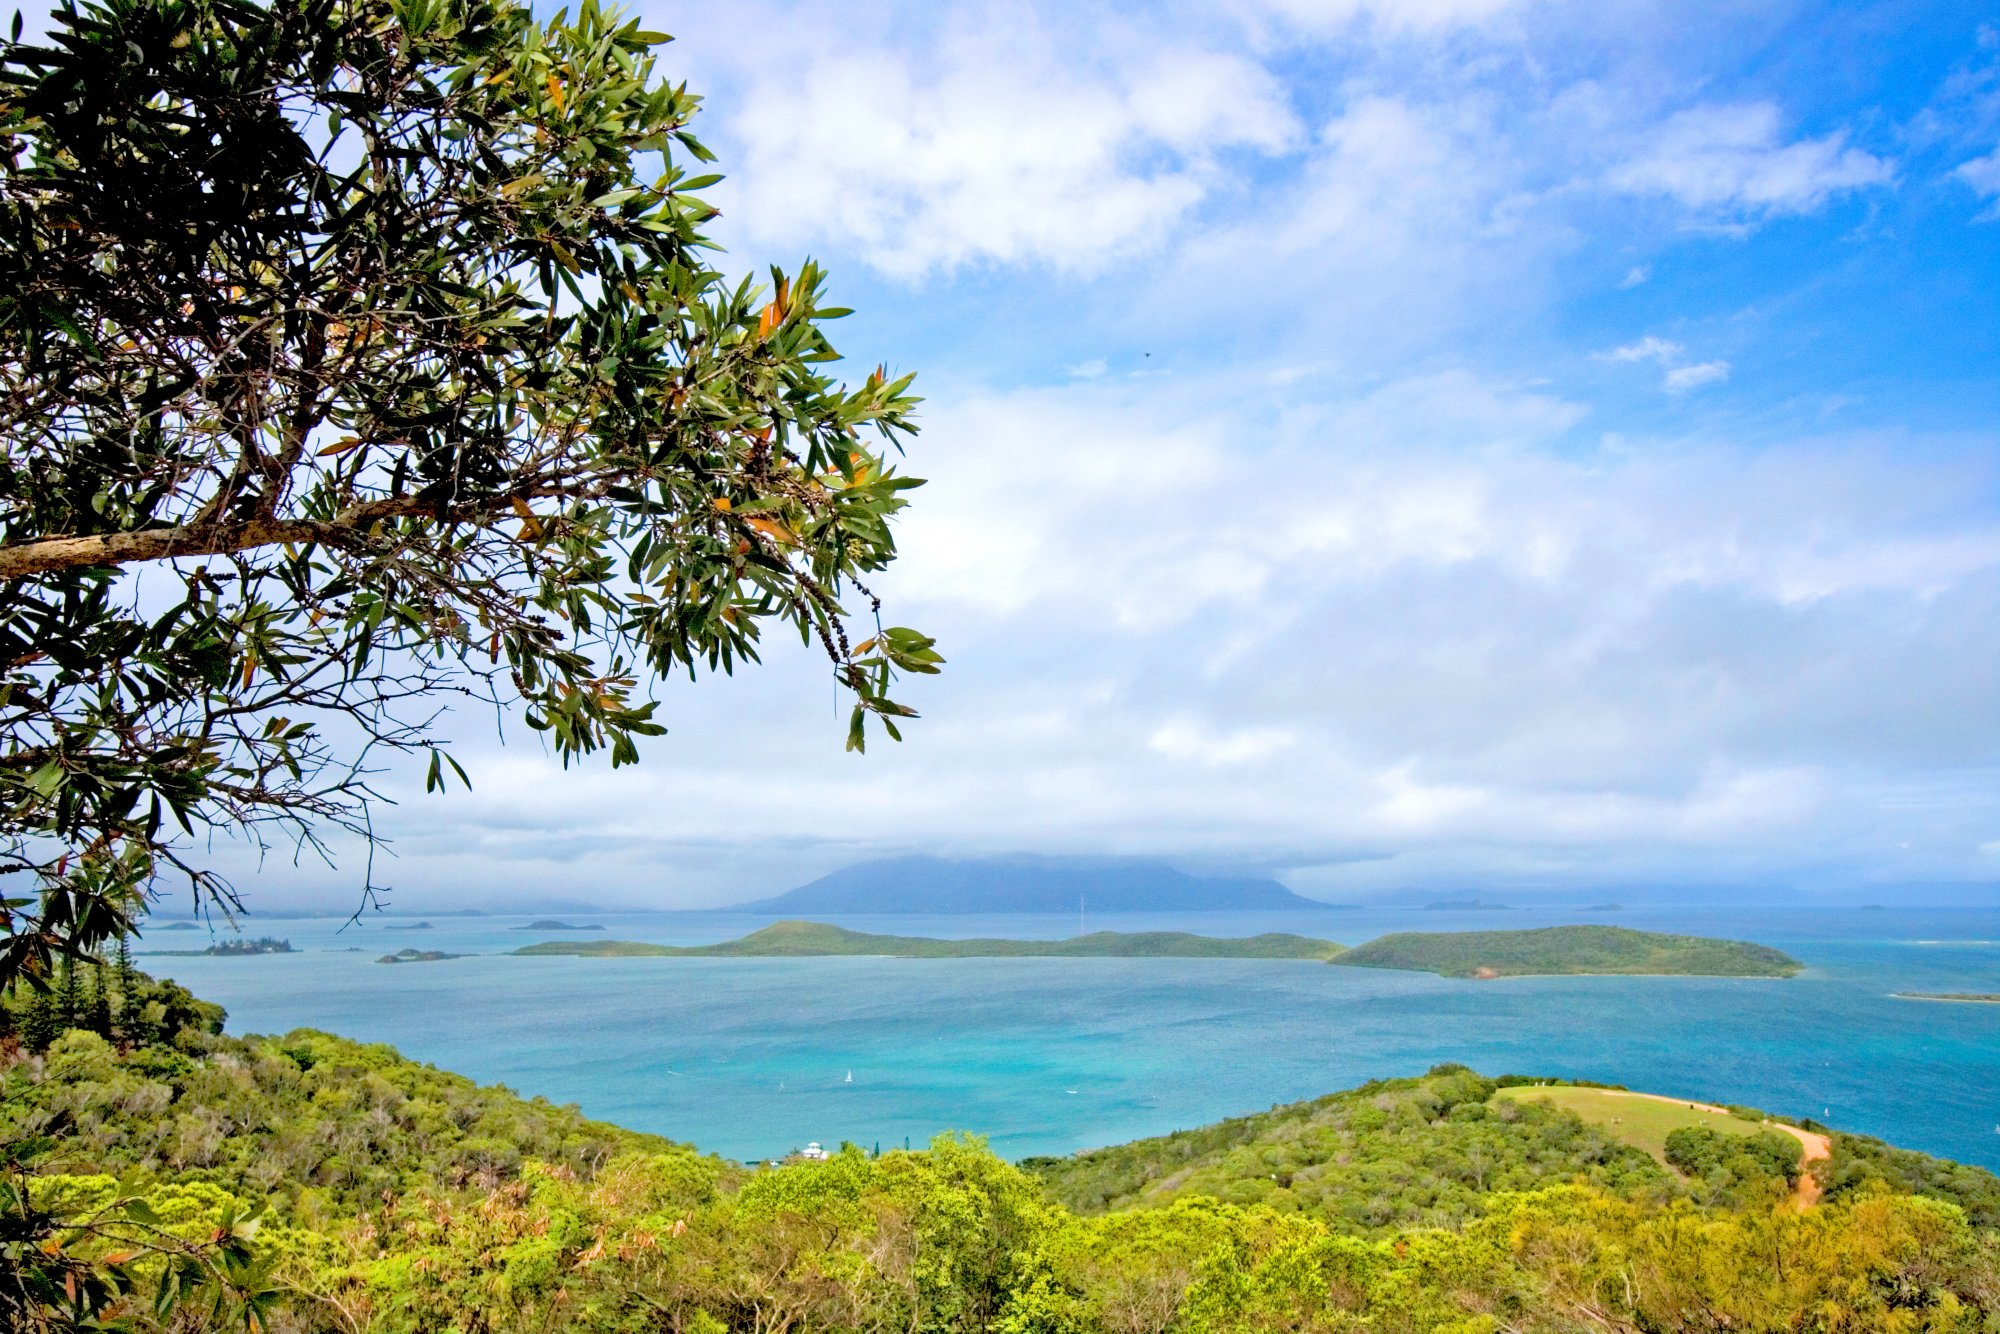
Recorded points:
49,554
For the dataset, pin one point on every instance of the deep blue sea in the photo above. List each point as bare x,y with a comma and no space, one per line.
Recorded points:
751,1057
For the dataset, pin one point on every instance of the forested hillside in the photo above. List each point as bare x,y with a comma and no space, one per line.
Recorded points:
1396,1153
1433,1151
397,1199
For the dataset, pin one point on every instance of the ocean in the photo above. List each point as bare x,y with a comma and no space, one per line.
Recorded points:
750,1058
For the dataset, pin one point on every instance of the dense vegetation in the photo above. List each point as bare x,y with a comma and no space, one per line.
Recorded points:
1431,1151
1716,1162
323,1124
400,1200
787,939
1568,949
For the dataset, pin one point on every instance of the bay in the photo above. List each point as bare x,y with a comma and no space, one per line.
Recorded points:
750,1057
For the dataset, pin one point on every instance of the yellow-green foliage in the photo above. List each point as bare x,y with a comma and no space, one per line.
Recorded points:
399,1200
954,1240
322,1123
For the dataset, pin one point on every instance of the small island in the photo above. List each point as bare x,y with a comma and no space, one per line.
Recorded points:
546,925
232,949
418,956
1465,905
1568,950
1954,997
811,939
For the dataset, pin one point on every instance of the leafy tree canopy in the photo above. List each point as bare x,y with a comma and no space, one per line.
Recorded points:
357,356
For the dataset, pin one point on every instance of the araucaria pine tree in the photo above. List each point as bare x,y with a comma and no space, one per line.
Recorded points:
69,995
131,1006
41,1026
97,1008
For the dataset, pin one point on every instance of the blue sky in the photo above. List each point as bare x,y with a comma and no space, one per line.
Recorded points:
1449,443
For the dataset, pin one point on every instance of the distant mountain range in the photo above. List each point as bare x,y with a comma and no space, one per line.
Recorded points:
1027,885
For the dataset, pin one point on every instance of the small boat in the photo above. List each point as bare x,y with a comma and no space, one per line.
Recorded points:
849,1079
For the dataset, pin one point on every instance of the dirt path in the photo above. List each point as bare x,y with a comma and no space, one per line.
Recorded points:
1817,1146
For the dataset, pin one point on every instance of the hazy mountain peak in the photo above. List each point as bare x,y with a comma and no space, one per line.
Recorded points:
1027,885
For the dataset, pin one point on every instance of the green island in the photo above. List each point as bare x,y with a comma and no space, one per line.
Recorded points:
391,1197
418,956
231,949
1563,950
813,939
1485,954
1956,997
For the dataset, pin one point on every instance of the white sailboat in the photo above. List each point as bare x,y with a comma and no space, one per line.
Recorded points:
849,1079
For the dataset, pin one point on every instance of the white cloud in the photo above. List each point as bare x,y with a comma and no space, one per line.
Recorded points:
1342,583
1406,15
1405,219
1417,622
1733,160
1682,379
996,144
1681,376
1189,740
1408,804
1982,173
1649,348
1635,276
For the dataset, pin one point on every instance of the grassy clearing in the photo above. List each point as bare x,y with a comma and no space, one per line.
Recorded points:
1638,1120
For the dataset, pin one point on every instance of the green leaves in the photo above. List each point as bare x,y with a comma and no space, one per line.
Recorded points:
397,354
434,780
97,1259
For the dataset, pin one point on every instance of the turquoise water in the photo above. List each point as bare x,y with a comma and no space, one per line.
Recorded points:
750,1057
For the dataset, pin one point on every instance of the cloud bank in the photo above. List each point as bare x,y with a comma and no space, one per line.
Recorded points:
1472,443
